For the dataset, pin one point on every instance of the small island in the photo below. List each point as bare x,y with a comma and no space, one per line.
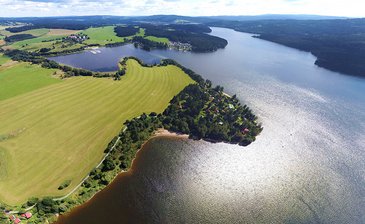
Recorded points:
200,111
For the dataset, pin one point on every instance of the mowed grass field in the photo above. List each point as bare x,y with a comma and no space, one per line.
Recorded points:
59,132
21,78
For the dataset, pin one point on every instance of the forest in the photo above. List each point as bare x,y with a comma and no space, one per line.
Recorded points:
192,34
339,45
18,37
125,31
146,44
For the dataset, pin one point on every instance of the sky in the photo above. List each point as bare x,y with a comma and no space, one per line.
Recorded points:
22,8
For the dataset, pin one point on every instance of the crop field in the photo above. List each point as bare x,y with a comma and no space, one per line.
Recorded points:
59,132
56,32
34,32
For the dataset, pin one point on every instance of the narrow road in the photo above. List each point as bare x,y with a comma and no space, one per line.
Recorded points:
87,177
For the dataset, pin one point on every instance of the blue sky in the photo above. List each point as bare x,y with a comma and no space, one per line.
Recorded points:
351,8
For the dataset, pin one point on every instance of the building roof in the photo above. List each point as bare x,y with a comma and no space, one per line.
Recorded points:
28,215
17,220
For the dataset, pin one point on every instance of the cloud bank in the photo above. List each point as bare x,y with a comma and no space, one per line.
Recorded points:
22,8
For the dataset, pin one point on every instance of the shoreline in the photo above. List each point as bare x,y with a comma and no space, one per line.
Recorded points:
161,132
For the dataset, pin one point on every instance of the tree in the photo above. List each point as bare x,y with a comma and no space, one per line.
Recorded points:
108,165
208,83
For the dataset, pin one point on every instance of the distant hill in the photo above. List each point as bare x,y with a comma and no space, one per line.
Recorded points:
275,17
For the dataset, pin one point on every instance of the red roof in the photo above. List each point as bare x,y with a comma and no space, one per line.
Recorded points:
17,220
12,217
28,215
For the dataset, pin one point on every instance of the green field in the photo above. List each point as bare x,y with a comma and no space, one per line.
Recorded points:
34,32
36,43
102,35
59,132
22,78
46,38
3,59
157,39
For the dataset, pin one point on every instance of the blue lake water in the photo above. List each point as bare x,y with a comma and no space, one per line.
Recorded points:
307,166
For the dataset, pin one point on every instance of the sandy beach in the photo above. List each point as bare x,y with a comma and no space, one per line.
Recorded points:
161,132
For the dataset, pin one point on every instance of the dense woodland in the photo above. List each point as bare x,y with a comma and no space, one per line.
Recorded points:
146,44
192,34
18,37
125,31
339,45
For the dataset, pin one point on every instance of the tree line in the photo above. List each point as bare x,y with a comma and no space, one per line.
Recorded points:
125,31
18,37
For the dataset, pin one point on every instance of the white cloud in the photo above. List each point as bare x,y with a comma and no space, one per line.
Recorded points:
181,7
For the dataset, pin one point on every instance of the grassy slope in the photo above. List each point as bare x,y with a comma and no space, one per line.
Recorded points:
22,78
63,129
102,35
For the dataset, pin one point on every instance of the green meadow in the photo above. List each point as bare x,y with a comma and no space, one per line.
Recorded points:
102,35
22,78
157,39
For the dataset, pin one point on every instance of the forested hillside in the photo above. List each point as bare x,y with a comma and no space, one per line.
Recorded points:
339,45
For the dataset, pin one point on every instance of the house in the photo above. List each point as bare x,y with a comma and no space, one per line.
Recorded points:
28,215
12,217
17,221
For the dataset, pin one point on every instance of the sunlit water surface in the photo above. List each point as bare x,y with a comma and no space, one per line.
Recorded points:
307,166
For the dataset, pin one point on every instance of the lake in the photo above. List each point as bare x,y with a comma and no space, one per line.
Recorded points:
307,166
